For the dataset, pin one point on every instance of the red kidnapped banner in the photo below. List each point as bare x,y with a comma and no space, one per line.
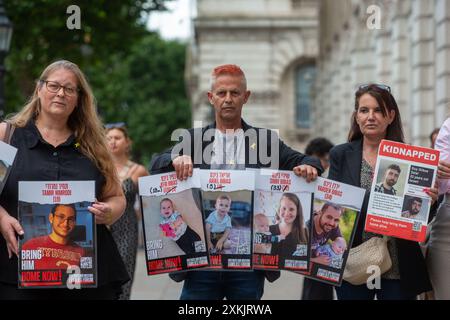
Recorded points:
408,152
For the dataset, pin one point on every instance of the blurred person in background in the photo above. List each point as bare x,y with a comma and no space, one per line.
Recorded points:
438,254
320,148
125,230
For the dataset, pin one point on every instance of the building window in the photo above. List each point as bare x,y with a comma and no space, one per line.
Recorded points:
296,4
305,76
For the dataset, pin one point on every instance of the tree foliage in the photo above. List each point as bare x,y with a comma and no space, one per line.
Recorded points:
136,76
148,94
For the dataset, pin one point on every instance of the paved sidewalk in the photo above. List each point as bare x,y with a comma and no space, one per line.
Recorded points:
161,287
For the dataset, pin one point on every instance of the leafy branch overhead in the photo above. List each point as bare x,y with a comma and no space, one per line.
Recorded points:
136,76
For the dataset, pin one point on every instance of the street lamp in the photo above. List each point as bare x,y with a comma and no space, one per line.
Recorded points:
5,40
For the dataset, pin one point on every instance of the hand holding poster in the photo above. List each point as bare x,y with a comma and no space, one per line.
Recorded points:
332,227
398,205
7,155
173,225
227,207
282,202
58,248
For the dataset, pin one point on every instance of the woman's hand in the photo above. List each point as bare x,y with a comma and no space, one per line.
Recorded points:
9,227
443,170
102,212
433,193
306,171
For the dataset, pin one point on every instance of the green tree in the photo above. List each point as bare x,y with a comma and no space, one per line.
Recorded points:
136,76
149,94
41,36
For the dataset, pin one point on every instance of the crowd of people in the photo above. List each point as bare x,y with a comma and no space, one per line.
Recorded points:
59,136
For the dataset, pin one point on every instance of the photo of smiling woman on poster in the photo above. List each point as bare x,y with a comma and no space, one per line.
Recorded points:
290,225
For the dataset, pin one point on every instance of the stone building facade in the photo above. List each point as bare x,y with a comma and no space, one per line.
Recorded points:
271,40
409,52
284,45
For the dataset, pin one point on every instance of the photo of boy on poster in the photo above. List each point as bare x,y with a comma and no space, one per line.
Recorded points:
57,236
176,221
228,223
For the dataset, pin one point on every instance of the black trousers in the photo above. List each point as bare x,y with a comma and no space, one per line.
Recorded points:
316,290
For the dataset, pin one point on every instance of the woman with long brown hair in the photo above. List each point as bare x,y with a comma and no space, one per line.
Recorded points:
375,117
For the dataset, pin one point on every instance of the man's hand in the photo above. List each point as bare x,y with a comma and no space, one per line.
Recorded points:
183,167
9,227
306,171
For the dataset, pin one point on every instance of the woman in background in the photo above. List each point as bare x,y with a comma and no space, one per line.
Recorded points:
438,255
125,230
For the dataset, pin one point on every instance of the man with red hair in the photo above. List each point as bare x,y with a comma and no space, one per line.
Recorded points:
229,143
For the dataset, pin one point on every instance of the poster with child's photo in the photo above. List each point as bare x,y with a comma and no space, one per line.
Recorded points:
174,233
283,203
332,227
227,207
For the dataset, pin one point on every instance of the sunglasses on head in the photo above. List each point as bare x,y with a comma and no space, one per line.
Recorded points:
379,86
115,125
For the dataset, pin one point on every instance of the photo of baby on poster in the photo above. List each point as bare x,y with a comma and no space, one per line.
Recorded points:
227,207
58,249
282,204
173,227
332,227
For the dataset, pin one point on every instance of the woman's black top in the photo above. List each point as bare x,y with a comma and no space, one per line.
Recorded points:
37,160
284,248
